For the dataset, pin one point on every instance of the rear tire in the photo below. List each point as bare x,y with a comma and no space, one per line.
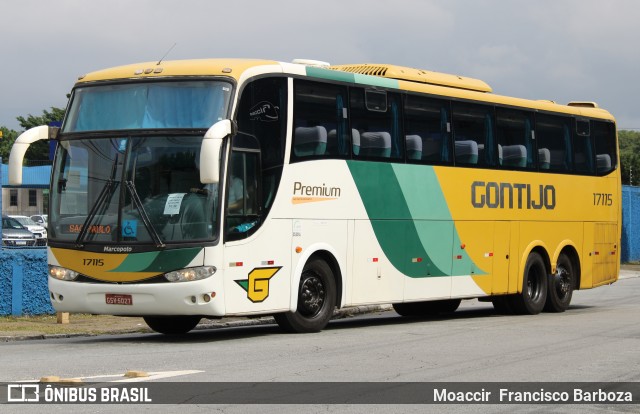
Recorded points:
316,300
560,286
534,288
172,325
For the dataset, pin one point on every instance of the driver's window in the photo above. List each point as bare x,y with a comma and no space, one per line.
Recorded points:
242,192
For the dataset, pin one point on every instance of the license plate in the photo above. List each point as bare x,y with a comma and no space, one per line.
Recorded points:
114,299
21,243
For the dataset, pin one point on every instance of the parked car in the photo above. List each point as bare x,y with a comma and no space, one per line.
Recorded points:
15,234
39,231
40,219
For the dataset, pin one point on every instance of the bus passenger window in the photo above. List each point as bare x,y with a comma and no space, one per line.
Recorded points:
604,135
375,123
583,148
320,121
553,133
514,130
427,129
474,136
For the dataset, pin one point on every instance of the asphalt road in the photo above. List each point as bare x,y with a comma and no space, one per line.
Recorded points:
597,339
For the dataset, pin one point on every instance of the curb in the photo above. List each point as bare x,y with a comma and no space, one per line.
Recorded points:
205,324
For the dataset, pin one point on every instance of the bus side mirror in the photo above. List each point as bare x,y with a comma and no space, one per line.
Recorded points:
210,150
20,147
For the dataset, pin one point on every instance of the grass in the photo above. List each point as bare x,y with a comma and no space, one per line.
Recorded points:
78,323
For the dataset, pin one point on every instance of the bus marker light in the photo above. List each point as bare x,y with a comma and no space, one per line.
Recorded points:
235,264
462,246
417,260
490,254
213,295
267,262
206,298
459,257
298,249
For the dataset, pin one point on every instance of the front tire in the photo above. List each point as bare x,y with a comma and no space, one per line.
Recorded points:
534,287
172,325
316,300
561,285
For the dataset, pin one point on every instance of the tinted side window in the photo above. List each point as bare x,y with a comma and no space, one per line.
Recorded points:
474,136
375,124
553,134
514,130
604,135
320,121
427,130
583,159
262,114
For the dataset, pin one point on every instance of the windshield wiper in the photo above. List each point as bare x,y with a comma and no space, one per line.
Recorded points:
106,190
143,214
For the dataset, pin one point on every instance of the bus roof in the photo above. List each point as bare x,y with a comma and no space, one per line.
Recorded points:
416,75
194,67
381,75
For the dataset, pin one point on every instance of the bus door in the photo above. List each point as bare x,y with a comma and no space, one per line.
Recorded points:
253,263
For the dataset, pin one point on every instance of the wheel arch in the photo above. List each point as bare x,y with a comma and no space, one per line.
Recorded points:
328,255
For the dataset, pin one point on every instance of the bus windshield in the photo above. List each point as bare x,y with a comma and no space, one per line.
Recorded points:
131,189
193,104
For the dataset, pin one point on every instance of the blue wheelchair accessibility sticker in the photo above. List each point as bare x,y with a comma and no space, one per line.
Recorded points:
130,228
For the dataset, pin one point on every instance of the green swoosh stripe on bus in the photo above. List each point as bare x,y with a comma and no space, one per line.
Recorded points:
410,220
160,262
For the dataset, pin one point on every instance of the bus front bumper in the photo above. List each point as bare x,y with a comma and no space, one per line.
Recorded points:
202,297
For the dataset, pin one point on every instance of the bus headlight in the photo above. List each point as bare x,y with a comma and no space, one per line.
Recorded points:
61,273
190,274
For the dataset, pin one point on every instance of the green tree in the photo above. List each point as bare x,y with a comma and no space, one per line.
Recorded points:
8,137
629,142
40,150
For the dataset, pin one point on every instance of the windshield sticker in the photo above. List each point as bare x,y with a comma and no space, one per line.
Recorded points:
264,111
122,147
172,206
129,228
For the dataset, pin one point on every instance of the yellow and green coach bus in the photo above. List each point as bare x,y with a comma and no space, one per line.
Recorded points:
205,188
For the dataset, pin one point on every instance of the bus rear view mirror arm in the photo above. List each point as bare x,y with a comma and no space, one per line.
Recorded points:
20,147
210,151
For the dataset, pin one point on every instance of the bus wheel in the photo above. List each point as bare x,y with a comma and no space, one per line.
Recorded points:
316,300
404,309
172,325
560,286
534,287
442,306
